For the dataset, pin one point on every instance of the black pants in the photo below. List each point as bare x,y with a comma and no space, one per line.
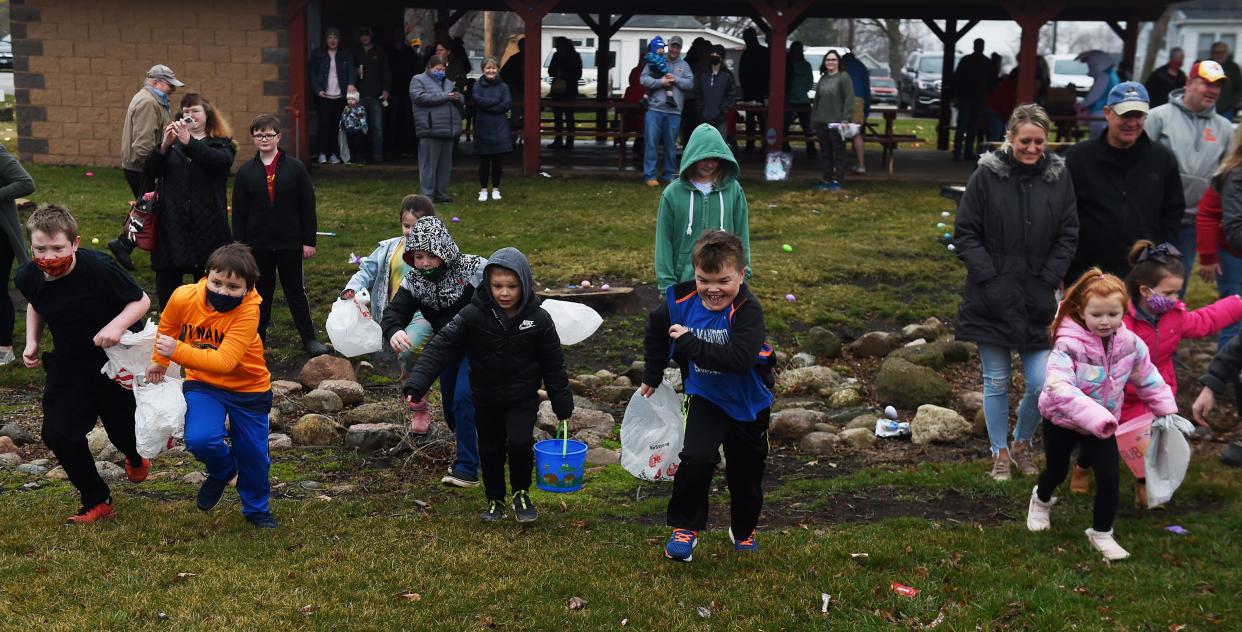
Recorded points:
833,153
804,123
359,146
756,123
1101,453
288,264
72,399
134,179
505,432
563,121
490,166
746,450
7,311
169,279
329,113
964,137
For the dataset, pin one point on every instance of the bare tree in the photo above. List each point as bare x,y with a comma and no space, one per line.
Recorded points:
731,25
1155,40
899,37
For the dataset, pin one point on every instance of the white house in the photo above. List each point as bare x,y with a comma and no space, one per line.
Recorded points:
1195,26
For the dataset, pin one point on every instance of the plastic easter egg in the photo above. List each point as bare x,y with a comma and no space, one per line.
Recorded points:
952,247
586,283
605,287
890,412
787,248
791,298
95,241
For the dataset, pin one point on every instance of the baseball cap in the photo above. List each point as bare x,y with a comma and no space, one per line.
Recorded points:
164,73
674,40
1128,96
1207,70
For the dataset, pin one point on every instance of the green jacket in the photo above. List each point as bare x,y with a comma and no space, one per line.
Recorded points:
685,213
834,99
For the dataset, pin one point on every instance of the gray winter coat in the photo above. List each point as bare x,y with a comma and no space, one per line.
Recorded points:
1199,140
435,116
1016,231
657,97
14,183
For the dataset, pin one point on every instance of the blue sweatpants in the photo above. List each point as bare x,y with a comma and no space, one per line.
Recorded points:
458,402
206,407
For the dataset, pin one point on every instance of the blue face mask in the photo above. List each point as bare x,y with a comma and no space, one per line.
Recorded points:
438,75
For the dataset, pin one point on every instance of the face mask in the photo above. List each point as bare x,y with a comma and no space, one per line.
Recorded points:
55,267
1175,64
715,60
438,75
1159,304
223,302
434,274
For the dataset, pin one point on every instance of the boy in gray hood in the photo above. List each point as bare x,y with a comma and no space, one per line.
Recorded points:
513,348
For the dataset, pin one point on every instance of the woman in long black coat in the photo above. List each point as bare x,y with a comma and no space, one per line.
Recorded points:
192,166
493,138
1016,231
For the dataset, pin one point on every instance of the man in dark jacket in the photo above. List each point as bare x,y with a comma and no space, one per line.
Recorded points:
1231,96
1166,78
374,83
970,86
1128,187
754,70
405,62
1221,372
513,349
715,91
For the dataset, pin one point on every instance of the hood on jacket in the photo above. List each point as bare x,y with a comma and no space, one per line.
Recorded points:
706,142
995,162
1070,328
430,235
1177,99
514,261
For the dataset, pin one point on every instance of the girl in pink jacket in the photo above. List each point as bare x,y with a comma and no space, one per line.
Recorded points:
1094,356
1160,320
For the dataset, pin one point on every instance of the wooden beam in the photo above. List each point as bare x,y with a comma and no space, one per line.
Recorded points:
620,22
779,14
590,22
532,13
949,36
761,23
793,26
1117,28
1031,17
1129,46
935,28
966,29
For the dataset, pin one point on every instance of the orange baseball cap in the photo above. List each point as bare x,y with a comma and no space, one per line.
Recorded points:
1208,71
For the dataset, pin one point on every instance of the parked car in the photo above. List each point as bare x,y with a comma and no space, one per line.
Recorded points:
6,52
919,86
588,86
1065,70
883,91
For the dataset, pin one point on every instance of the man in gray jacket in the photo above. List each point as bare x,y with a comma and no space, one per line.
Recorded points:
1199,137
663,119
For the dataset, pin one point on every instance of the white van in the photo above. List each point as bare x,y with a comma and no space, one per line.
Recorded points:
1064,70
588,85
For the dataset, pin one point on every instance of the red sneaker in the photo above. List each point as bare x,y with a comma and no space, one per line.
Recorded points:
87,516
137,473
420,417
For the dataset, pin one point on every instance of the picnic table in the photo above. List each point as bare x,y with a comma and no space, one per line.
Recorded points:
884,136
615,127
1072,127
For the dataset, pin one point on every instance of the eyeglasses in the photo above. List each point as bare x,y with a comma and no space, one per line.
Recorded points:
265,136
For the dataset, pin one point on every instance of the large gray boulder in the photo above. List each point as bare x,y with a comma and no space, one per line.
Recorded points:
794,423
350,392
821,343
325,367
97,442
810,403
859,438
373,437
811,379
286,388
18,434
928,355
934,424
109,471
587,425
323,401
873,344
818,443
315,430
388,410
908,386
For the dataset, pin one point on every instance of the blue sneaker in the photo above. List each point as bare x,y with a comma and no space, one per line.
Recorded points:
261,520
833,186
819,185
746,546
211,490
680,545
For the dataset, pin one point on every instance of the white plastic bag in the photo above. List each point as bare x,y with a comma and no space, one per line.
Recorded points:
778,166
159,414
847,130
351,329
652,432
131,356
1168,456
574,322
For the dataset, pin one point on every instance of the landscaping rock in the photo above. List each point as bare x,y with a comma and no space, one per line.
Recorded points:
908,386
916,342
373,437
43,462
810,403
826,427
846,414
862,421
910,332
110,454
364,370
873,344
17,433
583,419
287,405
980,423
8,460
673,377
109,471
606,375
32,469
939,425
97,441
194,478
350,392
954,351
279,441
845,398
7,446
540,435
603,456
801,360
286,388
275,420
577,387
807,380
590,382
315,430
589,404
323,401
635,372
794,423
58,473
934,324
325,367
625,381
821,343
818,443
859,438
970,402
923,355
381,412
616,394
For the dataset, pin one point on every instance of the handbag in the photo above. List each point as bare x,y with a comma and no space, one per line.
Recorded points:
141,223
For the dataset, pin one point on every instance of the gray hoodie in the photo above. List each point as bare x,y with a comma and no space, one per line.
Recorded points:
1199,140
657,98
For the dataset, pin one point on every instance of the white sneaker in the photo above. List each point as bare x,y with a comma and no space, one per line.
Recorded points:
323,159
495,194
1039,513
1104,543
334,160
482,195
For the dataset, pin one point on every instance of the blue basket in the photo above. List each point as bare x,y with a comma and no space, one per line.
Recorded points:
557,472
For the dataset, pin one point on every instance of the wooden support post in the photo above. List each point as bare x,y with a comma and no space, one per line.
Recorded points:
948,39
532,13
779,14
297,110
1031,15
1129,48
602,88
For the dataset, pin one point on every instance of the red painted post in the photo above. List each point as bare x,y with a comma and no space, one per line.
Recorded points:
532,17
296,110
1030,18
779,15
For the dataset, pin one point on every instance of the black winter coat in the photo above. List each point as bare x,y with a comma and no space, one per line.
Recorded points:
1016,231
492,102
1225,366
193,206
286,224
1117,206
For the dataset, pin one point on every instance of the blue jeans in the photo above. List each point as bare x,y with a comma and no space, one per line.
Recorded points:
1186,244
458,403
996,368
660,127
206,407
1228,282
375,125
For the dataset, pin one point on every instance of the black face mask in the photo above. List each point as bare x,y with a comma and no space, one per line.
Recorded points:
715,60
433,274
223,302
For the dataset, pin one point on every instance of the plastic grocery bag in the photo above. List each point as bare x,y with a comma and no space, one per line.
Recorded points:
131,356
159,414
778,166
1168,456
652,432
351,329
574,322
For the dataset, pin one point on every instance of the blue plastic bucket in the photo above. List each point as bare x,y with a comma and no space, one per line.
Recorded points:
557,472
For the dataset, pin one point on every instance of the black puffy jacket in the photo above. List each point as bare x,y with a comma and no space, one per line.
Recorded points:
1016,231
509,357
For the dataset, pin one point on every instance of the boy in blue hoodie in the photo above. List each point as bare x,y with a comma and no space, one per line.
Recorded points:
713,328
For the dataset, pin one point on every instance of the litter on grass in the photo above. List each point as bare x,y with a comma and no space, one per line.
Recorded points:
909,592
325,234
1176,529
825,598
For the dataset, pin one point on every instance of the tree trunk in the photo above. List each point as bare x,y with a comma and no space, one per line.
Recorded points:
1155,41
896,46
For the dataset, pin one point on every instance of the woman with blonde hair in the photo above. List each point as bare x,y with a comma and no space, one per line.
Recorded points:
1016,231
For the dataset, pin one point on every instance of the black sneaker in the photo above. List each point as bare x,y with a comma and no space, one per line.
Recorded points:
523,508
495,511
210,491
1233,453
121,248
315,348
458,478
261,520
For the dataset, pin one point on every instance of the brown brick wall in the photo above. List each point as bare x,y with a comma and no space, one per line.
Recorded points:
77,63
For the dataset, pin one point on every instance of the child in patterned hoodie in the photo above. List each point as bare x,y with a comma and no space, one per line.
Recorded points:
1094,356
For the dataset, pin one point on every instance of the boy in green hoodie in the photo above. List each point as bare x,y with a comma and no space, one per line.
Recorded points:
706,196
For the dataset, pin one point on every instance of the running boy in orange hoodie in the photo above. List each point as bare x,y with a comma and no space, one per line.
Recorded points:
211,328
